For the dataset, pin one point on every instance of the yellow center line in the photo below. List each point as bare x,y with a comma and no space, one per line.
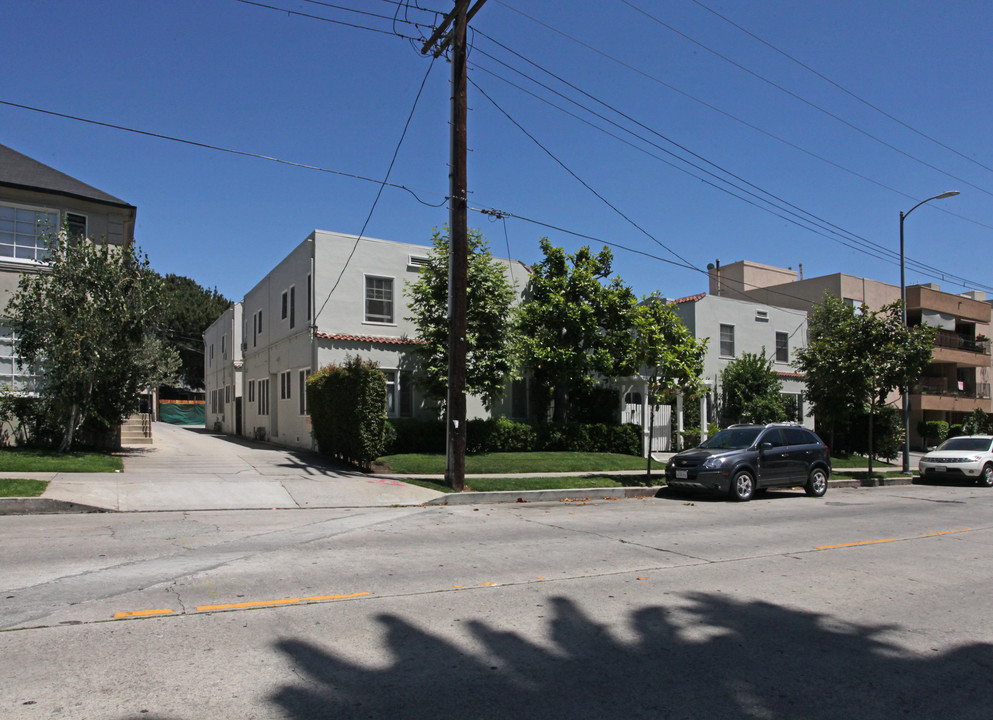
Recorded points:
143,613
947,532
864,542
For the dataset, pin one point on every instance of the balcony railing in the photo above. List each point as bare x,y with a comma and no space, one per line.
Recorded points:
941,386
949,339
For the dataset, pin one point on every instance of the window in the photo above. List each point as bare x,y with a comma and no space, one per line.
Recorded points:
727,340
406,394
782,347
210,360
303,375
391,390
285,385
519,399
251,391
12,374
379,299
284,305
76,225
23,231
227,394
213,401
293,306
263,406
224,352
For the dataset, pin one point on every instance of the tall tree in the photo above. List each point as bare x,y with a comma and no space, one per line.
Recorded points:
187,310
489,350
576,325
83,325
854,359
666,349
751,391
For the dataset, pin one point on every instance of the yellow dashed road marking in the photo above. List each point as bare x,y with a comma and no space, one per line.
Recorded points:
886,540
947,532
143,613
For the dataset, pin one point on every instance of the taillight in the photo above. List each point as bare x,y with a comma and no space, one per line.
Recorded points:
826,449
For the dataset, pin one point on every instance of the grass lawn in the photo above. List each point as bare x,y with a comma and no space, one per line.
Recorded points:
15,487
858,476
23,460
545,483
857,461
532,462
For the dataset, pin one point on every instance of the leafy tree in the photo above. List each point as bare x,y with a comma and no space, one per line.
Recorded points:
976,423
490,299
751,391
666,349
187,309
576,325
83,326
853,360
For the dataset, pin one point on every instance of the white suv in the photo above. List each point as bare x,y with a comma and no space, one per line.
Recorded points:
968,457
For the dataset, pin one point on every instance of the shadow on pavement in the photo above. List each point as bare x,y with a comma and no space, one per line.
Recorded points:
741,660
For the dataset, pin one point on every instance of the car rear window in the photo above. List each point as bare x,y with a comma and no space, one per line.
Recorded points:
797,436
967,443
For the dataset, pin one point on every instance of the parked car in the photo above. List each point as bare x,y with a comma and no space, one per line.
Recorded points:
967,457
743,459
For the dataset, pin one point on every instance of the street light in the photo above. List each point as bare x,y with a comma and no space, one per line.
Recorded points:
903,297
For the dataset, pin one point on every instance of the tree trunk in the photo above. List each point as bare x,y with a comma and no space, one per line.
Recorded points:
872,419
70,430
561,400
651,436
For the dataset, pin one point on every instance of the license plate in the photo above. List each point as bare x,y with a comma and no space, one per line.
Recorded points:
682,474
939,468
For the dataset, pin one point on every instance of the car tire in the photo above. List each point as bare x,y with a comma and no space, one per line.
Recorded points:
986,478
817,482
742,486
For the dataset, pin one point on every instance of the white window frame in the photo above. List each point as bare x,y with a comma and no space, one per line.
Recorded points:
20,379
293,306
373,319
286,385
284,304
9,234
786,347
251,391
720,340
302,376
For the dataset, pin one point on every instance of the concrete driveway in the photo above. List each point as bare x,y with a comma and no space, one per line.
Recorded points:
189,468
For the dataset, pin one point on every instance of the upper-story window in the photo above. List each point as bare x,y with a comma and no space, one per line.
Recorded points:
378,299
76,225
727,340
782,347
23,231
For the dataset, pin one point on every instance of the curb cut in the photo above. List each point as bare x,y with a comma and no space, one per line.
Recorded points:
45,506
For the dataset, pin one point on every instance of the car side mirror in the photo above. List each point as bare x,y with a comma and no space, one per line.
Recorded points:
765,446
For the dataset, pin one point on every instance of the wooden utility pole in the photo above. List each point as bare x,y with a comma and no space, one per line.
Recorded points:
458,236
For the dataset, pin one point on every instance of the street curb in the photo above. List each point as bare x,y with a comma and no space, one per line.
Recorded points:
44,506
529,496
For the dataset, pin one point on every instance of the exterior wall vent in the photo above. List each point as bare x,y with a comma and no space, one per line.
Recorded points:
417,260
761,316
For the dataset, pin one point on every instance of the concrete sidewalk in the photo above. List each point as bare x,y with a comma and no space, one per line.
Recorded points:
190,468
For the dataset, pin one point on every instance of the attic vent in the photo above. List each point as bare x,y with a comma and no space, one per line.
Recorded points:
417,261
761,316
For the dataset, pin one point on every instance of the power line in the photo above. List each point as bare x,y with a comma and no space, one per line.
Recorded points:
839,86
805,101
330,20
379,193
218,148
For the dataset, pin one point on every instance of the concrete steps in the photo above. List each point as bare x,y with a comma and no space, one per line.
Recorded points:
137,430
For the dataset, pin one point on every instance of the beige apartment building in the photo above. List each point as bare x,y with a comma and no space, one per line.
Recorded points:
958,379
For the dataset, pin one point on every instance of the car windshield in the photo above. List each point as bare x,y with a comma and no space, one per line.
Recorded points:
966,443
732,439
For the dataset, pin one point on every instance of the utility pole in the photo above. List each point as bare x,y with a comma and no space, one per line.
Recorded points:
458,237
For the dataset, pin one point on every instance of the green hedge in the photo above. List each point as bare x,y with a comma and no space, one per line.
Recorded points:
502,435
932,431
348,411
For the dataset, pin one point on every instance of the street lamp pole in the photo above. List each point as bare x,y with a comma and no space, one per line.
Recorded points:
903,298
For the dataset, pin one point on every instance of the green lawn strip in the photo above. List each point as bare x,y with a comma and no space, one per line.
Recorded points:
17,487
23,460
857,461
533,462
579,482
862,475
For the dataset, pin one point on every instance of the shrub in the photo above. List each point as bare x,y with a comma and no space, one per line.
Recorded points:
887,433
977,423
417,436
936,430
955,430
348,411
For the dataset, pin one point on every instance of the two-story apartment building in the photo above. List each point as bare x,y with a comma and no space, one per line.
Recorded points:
958,378
333,297
735,327
222,343
37,201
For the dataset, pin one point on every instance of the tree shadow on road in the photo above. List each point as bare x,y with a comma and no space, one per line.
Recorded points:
731,660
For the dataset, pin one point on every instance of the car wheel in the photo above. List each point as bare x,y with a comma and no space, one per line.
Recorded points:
817,482
986,479
742,486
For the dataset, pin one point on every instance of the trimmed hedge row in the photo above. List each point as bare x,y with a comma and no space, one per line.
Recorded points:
502,435
348,411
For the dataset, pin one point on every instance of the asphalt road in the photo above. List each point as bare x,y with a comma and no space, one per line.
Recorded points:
869,603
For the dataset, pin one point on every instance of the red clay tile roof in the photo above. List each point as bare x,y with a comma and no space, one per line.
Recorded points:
370,339
790,375
690,298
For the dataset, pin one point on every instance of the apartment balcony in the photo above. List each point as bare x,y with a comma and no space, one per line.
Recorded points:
943,395
953,348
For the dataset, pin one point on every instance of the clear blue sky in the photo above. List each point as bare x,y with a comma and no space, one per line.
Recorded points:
663,77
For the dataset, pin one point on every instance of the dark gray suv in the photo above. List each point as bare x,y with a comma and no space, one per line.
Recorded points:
744,458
